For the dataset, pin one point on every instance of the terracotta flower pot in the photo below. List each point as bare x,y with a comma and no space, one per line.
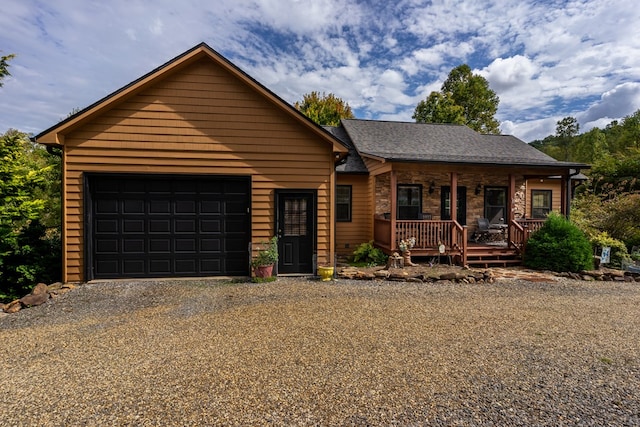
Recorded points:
263,270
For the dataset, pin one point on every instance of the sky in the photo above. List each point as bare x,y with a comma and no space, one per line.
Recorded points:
545,59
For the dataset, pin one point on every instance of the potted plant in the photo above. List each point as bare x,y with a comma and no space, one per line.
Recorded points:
262,264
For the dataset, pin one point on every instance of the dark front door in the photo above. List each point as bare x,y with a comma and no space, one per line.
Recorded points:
296,228
461,206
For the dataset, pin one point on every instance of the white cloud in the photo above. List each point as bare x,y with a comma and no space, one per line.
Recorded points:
546,60
618,102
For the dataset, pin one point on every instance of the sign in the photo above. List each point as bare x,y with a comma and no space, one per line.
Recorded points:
605,255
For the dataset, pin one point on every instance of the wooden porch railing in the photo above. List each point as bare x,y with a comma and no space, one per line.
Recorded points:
519,231
429,234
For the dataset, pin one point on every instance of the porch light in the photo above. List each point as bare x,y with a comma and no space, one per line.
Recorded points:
432,187
478,189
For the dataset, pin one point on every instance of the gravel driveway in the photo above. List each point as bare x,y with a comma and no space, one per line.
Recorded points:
302,352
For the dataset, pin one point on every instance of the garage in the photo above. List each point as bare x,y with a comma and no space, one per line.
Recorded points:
166,226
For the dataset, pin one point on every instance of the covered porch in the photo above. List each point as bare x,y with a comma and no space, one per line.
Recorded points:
414,200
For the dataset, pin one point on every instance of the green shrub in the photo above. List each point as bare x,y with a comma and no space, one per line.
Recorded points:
619,253
367,254
558,246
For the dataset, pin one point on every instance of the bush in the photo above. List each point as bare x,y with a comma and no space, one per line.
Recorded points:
619,253
558,246
33,256
367,254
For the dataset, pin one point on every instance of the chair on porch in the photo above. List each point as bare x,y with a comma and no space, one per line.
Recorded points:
485,232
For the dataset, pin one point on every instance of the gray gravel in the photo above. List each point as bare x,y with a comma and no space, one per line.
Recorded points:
302,352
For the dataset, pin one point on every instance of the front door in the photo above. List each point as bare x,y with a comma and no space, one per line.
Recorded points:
296,226
461,207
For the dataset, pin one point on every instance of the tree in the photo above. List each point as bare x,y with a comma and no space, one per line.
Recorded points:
29,233
324,109
566,130
4,67
464,98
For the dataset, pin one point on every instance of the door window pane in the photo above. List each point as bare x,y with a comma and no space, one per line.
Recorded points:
495,204
295,217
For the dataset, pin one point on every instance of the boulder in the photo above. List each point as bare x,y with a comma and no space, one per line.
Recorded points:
39,289
32,300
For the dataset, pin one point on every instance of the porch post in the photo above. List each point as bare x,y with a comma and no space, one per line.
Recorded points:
394,201
511,194
453,203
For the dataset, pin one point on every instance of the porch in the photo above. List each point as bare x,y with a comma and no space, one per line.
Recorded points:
430,234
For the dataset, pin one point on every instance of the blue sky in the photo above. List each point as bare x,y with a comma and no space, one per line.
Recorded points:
545,59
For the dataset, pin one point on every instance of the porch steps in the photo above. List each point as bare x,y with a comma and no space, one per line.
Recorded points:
488,256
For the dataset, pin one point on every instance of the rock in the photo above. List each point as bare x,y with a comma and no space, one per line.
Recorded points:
382,274
13,307
32,300
452,276
588,278
2,306
414,280
40,289
395,275
363,275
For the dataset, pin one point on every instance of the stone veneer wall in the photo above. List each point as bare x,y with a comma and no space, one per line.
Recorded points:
431,201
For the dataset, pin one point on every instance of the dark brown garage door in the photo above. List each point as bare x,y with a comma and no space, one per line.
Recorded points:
163,226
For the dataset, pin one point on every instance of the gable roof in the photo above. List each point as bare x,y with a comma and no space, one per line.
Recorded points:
443,143
55,134
353,163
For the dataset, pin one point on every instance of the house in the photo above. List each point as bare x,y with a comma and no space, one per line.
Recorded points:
179,172
183,171
401,178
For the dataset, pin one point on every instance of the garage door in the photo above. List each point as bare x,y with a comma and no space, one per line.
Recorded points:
163,226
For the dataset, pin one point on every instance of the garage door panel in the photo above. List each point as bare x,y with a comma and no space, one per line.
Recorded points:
185,225
133,226
160,246
134,207
210,225
158,226
107,226
162,207
107,207
133,246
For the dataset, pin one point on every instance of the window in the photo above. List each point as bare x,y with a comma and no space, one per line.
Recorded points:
343,203
540,203
495,204
409,201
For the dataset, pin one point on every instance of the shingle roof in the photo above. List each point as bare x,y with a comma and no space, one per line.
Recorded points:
353,163
442,143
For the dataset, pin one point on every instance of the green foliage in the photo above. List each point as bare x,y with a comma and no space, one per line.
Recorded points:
464,98
4,66
324,109
439,108
29,215
619,254
268,255
559,246
367,254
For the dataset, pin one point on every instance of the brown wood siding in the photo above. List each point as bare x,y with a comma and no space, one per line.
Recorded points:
200,121
360,229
